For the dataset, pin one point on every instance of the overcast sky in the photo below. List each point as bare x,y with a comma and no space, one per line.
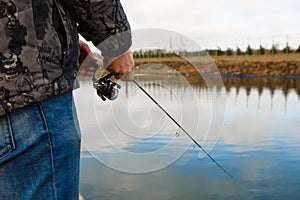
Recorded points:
221,23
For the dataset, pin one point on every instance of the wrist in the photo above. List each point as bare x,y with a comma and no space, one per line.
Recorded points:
107,61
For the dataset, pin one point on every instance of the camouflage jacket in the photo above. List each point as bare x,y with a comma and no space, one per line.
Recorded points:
39,44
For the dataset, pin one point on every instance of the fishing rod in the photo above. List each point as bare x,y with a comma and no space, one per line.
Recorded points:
110,90
206,153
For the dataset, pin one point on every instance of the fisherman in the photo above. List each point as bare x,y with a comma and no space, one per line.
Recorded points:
39,47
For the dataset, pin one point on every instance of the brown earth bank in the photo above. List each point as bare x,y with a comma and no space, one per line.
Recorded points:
263,65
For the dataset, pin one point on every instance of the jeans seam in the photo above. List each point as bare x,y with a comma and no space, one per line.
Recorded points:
11,133
45,124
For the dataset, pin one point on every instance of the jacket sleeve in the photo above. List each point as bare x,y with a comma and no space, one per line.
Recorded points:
103,22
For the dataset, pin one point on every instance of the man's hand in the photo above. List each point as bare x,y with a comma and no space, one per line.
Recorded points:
121,66
87,61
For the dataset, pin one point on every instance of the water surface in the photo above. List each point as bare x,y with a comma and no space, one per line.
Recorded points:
259,141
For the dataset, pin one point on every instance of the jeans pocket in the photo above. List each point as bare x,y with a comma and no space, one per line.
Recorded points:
7,144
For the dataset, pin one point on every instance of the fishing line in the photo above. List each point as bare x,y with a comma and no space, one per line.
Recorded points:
206,153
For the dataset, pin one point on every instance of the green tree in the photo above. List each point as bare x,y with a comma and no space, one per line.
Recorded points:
239,51
249,50
136,55
220,52
298,50
229,52
274,49
261,50
287,49
140,54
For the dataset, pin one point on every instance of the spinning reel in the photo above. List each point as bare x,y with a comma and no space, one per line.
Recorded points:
106,89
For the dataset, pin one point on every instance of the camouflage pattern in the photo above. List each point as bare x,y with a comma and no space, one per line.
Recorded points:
39,44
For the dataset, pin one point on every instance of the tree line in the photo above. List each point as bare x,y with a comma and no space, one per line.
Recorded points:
159,53
251,51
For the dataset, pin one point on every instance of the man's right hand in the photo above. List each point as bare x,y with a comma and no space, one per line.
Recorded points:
122,66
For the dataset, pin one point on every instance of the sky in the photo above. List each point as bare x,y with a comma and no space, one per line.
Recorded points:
221,23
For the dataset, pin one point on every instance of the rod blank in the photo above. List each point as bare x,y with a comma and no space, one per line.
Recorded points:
206,153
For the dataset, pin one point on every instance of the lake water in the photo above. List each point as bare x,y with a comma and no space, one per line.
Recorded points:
251,127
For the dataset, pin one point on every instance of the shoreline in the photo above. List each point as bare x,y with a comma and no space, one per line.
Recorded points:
269,66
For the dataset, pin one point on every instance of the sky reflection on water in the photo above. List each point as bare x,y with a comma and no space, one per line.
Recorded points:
259,144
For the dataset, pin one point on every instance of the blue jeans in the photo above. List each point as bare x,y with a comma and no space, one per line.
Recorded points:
40,151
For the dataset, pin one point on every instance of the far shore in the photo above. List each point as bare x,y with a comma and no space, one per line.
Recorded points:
236,65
